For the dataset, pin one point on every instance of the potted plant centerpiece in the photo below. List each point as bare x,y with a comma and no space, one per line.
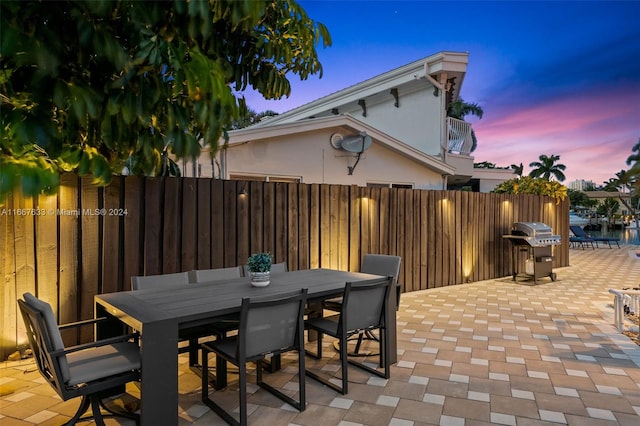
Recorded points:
259,265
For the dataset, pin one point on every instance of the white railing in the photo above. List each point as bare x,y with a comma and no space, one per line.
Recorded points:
459,136
625,297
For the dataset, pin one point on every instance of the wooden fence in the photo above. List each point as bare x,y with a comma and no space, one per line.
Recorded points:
89,240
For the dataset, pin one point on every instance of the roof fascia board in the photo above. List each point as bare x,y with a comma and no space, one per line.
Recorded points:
394,78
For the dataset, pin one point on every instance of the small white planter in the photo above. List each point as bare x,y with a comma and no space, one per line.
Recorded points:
260,279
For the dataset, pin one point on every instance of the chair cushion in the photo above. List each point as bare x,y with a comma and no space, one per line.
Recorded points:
328,325
52,328
104,361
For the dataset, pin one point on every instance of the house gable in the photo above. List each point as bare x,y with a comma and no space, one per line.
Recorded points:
408,103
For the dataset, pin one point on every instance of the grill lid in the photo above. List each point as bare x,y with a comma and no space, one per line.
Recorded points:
535,234
531,229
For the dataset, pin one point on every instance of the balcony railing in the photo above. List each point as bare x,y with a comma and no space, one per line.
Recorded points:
459,136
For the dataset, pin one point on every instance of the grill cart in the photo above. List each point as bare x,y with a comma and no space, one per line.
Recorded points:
536,239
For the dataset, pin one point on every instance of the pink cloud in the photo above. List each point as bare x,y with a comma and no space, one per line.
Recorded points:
593,133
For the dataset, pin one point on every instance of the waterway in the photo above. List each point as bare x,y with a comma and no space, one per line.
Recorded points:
627,236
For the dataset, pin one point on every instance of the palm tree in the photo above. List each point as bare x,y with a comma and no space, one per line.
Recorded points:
249,116
517,170
547,167
460,109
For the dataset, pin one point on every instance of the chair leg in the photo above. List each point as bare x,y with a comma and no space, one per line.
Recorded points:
243,393
193,352
95,408
344,359
84,406
384,357
210,403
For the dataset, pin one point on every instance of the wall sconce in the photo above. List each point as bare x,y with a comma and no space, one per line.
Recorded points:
243,192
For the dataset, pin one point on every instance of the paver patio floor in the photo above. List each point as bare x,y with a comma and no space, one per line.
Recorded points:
491,352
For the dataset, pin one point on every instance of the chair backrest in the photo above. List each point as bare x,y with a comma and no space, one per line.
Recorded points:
204,275
157,282
578,231
364,303
271,324
44,336
381,264
275,268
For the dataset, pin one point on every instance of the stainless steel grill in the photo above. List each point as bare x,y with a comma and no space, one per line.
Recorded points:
536,240
535,234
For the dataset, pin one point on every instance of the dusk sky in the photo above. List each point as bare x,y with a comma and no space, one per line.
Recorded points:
558,77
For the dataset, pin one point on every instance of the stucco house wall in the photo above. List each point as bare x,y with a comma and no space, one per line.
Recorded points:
416,121
311,158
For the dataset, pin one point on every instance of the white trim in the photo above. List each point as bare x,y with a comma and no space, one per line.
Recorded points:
438,63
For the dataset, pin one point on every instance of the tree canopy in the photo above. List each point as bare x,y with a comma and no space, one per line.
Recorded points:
547,167
459,109
532,186
96,86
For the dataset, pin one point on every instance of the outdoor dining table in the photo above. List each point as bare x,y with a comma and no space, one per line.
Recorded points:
158,315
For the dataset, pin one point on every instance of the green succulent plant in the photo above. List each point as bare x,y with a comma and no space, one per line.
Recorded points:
259,262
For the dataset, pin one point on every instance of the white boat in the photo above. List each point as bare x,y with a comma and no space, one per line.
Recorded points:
575,220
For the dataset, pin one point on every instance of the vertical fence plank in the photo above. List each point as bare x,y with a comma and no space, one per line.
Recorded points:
172,226
153,225
111,251
293,226
203,213
203,218
243,223
304,240
415,238
316,230
375,215
25,266
281,217
342,236
366,211
217,224
386,227
189,224
69,242
90,245
47,248
355,229
134,227
257,218
230,189
12,329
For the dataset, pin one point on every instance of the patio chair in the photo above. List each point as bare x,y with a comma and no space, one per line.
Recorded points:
269,325
157,282
580,233
190,334
93,370
222,325
204,275
379,264
363,308
581,242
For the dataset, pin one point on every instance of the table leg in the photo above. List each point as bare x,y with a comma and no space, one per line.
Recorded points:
159,381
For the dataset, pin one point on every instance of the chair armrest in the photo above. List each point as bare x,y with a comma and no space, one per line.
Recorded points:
81,323
96,344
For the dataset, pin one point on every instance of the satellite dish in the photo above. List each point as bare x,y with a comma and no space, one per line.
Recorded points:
336,140
356,144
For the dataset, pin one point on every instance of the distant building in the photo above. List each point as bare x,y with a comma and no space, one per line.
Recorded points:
581,185
600,196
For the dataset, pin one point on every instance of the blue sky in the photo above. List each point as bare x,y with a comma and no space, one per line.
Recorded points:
556,77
